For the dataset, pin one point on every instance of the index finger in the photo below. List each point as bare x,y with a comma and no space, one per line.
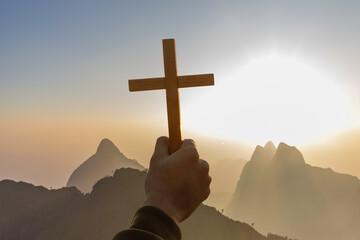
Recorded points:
188,143
188,150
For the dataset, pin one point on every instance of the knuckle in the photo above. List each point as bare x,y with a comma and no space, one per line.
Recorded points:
189,140
204,166
209,180
193,153
189,143
206,194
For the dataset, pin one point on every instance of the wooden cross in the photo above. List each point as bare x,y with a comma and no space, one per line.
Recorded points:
171,83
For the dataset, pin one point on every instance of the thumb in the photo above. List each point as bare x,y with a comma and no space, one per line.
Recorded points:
161,149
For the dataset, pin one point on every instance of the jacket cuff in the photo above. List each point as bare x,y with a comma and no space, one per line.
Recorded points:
156,221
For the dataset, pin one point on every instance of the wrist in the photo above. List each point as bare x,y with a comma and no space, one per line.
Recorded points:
162,205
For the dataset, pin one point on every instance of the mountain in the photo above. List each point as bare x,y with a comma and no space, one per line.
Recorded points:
103,163
222,188
33,212
279,192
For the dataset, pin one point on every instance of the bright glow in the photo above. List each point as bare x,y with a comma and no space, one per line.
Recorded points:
271,98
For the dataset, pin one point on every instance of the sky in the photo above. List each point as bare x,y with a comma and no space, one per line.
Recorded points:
284,71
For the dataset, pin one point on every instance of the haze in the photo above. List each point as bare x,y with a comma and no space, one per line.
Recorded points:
64,70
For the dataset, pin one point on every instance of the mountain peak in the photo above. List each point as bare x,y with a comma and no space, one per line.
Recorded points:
287,191
106,145
265,153
288,153
257,154
270,145
270,149
103,163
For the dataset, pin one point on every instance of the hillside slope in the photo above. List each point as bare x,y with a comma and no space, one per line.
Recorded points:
30,212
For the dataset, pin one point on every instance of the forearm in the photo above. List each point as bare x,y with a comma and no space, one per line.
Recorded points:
151,223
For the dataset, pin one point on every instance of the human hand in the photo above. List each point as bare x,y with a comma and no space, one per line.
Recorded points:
179,182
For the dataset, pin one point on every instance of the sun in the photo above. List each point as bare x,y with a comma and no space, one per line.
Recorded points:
273,97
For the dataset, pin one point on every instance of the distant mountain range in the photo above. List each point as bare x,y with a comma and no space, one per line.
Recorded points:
103,163
279,192
30,212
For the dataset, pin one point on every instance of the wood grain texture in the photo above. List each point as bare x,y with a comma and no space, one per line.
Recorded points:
195,80
172,95
146,84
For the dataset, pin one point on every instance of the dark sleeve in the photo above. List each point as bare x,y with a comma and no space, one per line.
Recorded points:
151,223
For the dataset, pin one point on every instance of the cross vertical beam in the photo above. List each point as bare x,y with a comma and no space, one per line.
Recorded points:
172,94
171,82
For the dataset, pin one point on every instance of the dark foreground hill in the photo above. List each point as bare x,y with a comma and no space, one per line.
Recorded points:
30,212
103,163
279,192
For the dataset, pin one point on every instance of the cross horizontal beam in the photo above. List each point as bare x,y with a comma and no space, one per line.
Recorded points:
185,81
171,83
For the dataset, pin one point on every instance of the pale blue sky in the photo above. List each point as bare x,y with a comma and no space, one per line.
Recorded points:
59,50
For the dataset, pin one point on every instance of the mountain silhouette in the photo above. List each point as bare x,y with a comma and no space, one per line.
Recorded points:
103,163
279,192
33,212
